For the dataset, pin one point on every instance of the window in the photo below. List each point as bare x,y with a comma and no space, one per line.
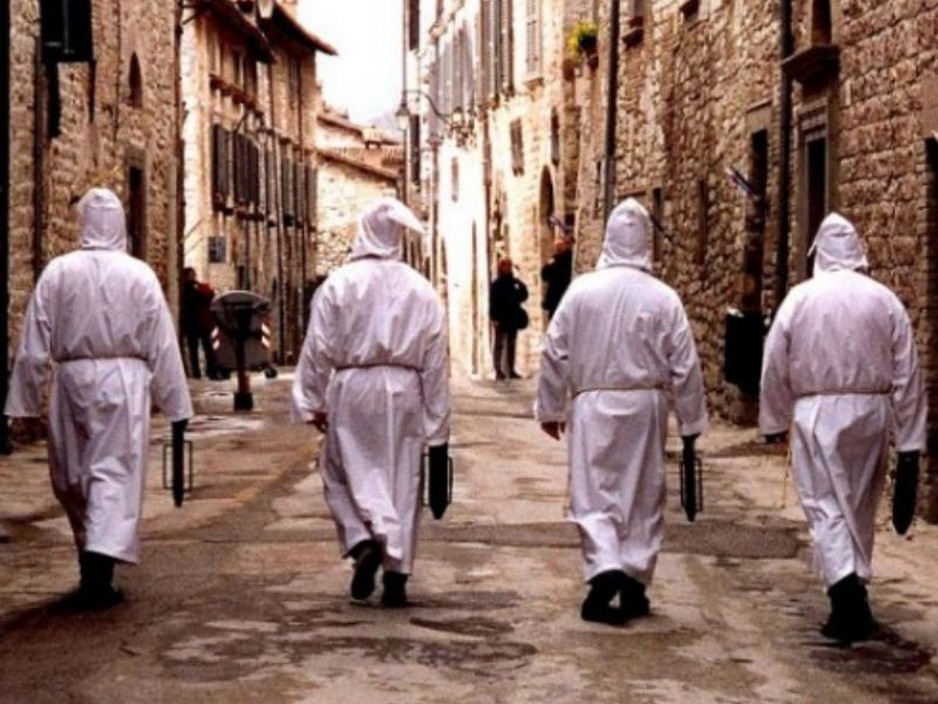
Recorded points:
135,88
217,251
821,25
690,9
137,206
221,171
454,176
657,219
517,148
413,24
533,37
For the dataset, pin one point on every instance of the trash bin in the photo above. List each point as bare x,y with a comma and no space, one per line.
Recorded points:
742,351
241,339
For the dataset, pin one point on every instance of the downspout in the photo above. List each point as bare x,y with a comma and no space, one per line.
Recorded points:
39,170
301,168
609,157
786,48
278,215
180,159
5,135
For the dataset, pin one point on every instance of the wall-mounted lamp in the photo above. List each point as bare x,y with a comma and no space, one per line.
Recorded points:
456,123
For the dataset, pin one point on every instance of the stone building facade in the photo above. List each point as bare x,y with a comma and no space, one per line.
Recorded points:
740,131
495,148
357,165
101,113
250,100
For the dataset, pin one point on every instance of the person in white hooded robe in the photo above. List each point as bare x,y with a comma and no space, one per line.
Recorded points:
98,325
373,375
840,368
620,344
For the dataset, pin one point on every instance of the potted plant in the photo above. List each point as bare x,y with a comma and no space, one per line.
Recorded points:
583,41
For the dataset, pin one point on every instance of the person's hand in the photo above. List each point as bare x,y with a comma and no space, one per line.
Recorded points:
554,428
320,420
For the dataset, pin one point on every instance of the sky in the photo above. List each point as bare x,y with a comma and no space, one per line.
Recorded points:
365,78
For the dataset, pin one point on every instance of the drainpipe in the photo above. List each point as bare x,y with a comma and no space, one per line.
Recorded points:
786,49
609,186
6,34
300,167
39,170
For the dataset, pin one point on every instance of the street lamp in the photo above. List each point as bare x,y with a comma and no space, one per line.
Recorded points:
454,122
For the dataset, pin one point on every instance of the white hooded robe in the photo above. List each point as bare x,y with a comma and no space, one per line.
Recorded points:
621,345
375,360
840,367
99,326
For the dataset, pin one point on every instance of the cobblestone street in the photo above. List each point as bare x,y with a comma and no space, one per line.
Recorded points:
241,596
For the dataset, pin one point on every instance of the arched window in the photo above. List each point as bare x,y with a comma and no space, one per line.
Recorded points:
136,83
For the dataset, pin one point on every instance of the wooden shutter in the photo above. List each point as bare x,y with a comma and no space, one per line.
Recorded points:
505,47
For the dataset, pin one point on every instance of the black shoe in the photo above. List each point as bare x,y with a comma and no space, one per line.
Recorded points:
499,376
850,619
368,558
395,590
632,600
597,606
514,375
95,590
86,599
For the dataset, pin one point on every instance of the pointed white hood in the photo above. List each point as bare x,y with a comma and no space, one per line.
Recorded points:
381,229
103,225
628,237
837,246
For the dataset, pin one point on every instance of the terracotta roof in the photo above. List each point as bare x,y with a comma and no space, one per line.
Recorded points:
340,158
374,134
290,27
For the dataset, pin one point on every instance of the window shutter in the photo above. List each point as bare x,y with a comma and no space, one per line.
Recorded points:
414,25
533,48
312,182
506,53
491,46
415,149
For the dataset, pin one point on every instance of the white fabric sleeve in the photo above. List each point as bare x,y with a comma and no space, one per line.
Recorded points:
32,367
550,405
776,398
168,385
434,382
690,399
908,391
313,369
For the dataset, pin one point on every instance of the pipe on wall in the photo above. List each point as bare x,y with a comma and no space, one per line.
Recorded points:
609,158
783,235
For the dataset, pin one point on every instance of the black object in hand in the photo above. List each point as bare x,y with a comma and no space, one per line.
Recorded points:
179,476
905,493
439,479
691,478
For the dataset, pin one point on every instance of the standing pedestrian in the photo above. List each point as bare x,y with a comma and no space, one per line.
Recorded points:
99,326
556,274
840,368
373,375
621,343
506,294
197,321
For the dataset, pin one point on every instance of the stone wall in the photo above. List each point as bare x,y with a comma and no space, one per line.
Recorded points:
102,134
344,192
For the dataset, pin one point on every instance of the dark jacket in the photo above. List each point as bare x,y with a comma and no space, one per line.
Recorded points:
506,294
556,275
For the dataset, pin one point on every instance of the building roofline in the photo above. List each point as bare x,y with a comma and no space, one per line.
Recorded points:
291,28
338,157
235,19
